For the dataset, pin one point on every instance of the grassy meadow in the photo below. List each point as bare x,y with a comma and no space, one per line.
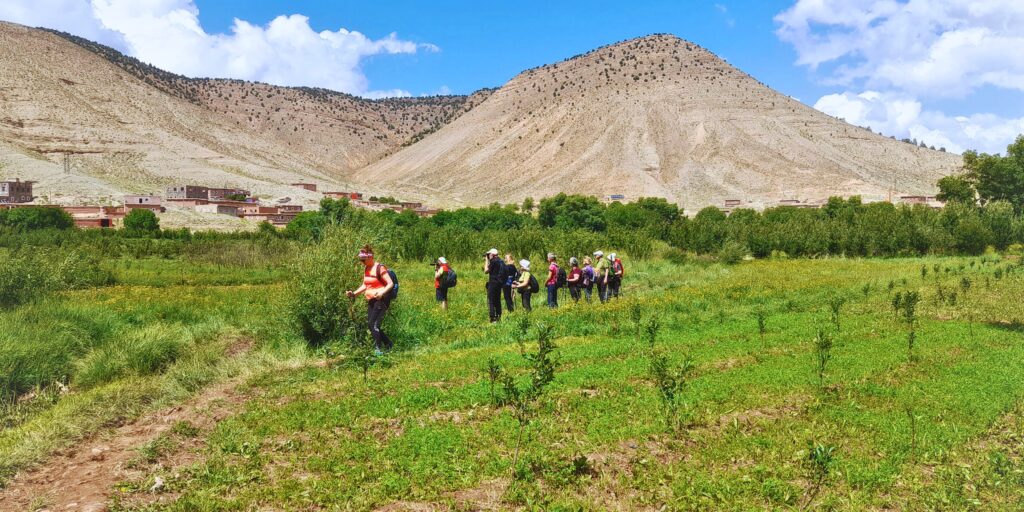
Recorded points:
769,384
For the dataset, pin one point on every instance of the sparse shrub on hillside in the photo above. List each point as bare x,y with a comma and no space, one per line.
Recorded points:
732,253
819,463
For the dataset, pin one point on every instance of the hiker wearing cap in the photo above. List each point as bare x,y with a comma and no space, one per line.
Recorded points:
588,278
495,270
552,282
614,275
441,272
511,276
525,284
575,279
377,287
602,268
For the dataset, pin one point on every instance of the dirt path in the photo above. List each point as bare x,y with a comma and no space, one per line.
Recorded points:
82,477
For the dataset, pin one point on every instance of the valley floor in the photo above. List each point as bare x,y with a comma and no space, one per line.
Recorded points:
932,427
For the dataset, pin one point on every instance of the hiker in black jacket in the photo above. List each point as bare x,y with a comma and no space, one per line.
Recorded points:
495,270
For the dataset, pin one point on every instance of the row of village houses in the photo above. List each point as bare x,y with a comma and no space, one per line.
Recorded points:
238,202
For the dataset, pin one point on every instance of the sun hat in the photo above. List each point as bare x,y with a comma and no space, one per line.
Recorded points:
598,254
611,256
442,261
525,264
552,256
492,251
574,261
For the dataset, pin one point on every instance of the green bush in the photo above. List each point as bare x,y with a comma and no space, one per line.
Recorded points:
732,253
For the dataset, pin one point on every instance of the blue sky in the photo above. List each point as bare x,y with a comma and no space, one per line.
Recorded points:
948,72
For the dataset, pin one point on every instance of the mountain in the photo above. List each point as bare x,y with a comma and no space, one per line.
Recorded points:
655,116
130,127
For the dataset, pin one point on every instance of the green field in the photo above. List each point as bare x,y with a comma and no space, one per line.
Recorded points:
935,428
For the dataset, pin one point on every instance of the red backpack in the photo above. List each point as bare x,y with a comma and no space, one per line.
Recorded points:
617,268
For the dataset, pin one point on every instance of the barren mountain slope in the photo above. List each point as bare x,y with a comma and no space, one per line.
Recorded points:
336,130
130,127
655,116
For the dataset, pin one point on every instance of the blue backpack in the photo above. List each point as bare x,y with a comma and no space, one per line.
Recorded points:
394,279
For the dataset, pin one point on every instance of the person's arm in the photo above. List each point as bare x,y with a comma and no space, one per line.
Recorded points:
438,272
487,265
577,275
358,291
388,284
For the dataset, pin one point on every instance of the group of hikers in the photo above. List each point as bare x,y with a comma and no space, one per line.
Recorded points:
504,278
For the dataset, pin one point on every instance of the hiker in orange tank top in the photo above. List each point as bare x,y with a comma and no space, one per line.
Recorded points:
377,287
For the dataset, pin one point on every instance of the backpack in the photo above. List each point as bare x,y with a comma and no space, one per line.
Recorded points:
394,279
617,268
562,278
511,274
588,276
534,285
451,279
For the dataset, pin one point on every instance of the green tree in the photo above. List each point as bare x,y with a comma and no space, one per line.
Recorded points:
141,220
996,177
37,217
956,189
528,205
572,212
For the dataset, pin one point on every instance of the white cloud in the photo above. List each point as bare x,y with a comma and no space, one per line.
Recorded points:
167,34
904,116
925,47
907,52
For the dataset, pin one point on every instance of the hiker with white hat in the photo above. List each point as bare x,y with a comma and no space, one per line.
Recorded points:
495,270
526,284
602,268
444,279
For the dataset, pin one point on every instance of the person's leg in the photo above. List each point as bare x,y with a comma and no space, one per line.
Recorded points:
526,301
614,288
509,302
375,311
574,292
494,302
602,291
552,296
588,291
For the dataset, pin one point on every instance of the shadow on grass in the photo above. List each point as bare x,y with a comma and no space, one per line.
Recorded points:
1015,326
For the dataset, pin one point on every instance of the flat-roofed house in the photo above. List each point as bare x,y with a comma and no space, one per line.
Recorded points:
16,191
187,192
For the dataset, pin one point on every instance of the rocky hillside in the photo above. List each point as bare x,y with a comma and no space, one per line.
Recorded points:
655,116
130,127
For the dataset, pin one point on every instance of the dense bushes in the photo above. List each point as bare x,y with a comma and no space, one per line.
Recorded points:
32,218
25,276
848,227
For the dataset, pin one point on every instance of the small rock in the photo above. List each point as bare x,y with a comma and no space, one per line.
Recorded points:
98,453
157,485
95,507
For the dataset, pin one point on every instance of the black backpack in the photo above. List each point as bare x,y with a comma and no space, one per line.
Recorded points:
562,277
451,279
394,279
534,285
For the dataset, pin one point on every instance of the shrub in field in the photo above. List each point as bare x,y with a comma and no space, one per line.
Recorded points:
732,252
25,277
905,303
835,306
819,462
321,277
823,354
669,380
522,399
21,280
762,322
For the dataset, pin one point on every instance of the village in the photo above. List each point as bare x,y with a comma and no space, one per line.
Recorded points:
234,202
237,202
